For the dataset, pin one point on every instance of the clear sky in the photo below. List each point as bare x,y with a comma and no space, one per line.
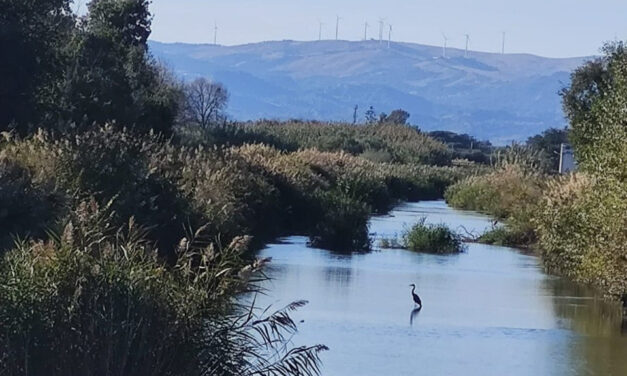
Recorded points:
556,28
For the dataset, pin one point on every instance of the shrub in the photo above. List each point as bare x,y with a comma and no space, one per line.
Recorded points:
25,208
343,223
512,192
432,239
393,142
97,299
504,236
427,238
581,226
109,165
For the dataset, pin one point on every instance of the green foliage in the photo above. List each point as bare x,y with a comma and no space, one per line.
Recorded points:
66,75
96,299
32,39
399,116
464,146
511,192
25,207
111,78
250,189
525,157
590,82
405,144
432,239
549,143
581,227
109,165
343,223
582,221
505,236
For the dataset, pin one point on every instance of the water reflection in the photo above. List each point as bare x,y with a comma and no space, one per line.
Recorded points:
413,315
487,301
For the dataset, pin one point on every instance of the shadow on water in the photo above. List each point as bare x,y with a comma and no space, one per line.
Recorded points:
413,315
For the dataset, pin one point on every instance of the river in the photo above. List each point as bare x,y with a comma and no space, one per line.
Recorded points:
488,311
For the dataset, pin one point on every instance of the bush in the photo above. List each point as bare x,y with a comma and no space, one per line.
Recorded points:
512,193
381,142
432,239
581,226
343,223
26,209
427,238
504,236
97,298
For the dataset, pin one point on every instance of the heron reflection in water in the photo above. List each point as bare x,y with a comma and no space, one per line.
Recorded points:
417,306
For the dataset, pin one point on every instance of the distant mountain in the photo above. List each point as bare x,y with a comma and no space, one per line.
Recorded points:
491,96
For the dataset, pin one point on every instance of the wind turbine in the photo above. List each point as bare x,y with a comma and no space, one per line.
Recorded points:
215,33
337,27
320,24
467,42
503,45
366,31
381,23
445,45
390,36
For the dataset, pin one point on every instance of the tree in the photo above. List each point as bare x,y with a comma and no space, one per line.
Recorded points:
397,117
112,78
594,85
32,36
371,116
205,102
549,142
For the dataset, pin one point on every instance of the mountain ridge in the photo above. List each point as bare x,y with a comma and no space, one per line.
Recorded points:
490,96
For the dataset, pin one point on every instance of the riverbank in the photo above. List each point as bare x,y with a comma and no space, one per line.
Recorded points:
113,224
575,223
486,300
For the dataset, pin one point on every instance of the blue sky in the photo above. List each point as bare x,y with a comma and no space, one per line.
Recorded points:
557,28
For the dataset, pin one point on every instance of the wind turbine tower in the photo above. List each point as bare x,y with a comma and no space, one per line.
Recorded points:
467,42
503,45
445,45
366,31
337,27
390,36
320,24
215,34
381,23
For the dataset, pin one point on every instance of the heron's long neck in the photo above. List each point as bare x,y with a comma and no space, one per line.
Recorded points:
413,288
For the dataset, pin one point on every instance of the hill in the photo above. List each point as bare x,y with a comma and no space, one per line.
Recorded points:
491,96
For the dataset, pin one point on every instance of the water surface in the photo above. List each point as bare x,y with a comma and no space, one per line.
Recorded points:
488,311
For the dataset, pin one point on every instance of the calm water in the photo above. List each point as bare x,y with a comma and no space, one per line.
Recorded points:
489,311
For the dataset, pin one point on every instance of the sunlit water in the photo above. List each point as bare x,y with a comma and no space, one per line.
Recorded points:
488,311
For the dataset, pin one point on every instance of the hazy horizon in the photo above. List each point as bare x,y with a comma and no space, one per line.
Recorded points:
449,48
534,27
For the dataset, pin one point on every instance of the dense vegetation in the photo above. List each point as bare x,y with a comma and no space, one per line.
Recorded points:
427,238
379,142
578,221
120,189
